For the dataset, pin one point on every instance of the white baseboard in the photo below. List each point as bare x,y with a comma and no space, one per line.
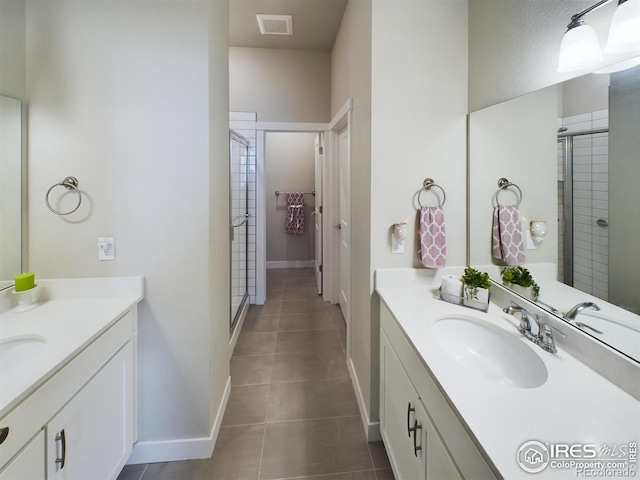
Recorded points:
371,429
292,264
183,448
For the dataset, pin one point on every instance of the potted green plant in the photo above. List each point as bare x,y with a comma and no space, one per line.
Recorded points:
519,279
476,287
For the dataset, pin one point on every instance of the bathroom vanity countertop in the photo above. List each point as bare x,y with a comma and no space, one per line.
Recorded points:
574,406
67,324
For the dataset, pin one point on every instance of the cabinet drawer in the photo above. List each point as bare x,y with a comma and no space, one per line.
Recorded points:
464,450
38,408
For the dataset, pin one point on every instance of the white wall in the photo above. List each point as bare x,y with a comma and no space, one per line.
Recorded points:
515,140
351,77
280,85
130,97
289,166
13,81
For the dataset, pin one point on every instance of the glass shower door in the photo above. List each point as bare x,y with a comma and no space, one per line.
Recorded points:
585,213
239,224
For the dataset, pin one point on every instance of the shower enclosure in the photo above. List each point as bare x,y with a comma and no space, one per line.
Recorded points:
583,210
239,209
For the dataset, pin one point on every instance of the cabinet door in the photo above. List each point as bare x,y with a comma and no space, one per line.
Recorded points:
439,463
90,438
400,409
415,448
29,464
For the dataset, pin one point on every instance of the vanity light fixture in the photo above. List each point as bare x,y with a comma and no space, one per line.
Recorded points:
580,48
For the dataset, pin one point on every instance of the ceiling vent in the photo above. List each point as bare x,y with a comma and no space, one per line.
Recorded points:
275,24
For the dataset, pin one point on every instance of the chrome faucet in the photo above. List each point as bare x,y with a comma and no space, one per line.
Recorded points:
573,313
532,328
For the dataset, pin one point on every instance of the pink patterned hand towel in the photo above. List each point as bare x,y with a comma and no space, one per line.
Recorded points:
508,242
295,213
433,239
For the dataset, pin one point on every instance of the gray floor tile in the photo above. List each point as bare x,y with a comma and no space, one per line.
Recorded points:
250,370
291,307
247,405
299,282
308,341
379,455
237,453
312,400
301,293
261,324
361,475
270,307
385,474
256,344
310,447
132,472
324,320
305,366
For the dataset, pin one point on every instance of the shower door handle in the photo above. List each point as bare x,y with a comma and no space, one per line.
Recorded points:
602,222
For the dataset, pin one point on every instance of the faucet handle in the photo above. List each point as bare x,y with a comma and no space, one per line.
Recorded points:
546,340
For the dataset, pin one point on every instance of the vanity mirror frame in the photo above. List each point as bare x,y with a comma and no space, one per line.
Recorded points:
476,234
12,179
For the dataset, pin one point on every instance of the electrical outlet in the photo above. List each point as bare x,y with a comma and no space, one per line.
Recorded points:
106,248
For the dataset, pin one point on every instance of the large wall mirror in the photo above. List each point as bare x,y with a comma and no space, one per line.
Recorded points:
10,190
573,149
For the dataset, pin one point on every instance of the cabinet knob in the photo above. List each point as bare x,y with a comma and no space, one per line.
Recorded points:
409,410
416,447
4,433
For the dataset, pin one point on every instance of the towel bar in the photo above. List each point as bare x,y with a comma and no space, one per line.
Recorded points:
280,192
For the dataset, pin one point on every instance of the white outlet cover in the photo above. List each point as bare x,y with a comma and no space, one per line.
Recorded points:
106,248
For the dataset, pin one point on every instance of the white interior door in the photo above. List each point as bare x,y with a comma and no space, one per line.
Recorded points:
317,212
344,225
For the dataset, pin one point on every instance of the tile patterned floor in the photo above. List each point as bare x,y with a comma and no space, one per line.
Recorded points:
292,412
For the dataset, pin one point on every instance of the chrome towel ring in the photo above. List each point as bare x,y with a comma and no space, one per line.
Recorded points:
70,183
503,184
428,184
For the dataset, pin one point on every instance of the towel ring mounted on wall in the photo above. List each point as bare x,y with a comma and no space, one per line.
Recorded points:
503,184
428,184
70,183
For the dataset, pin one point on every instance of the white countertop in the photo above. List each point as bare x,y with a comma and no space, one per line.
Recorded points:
574,405
71,314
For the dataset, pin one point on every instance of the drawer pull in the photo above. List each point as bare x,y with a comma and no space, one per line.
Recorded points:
60,437
409,410
416,447
4,433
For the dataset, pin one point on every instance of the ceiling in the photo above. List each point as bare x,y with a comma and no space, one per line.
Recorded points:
315,23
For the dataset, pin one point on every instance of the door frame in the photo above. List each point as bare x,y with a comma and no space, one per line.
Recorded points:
341,120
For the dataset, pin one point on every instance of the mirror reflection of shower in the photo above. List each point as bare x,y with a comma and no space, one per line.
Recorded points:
241,165
583,203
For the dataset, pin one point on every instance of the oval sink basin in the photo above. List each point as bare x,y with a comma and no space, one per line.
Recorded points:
490,351
16,352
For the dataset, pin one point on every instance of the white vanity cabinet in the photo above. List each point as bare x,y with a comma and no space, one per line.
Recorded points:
80,422
409,435
422,435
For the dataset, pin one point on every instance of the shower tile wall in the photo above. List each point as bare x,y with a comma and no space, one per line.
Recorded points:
244,123
590,202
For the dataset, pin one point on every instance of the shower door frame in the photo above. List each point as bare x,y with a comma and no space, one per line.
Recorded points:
566,139
234,318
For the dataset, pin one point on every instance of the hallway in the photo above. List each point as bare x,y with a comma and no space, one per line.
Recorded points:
292,412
